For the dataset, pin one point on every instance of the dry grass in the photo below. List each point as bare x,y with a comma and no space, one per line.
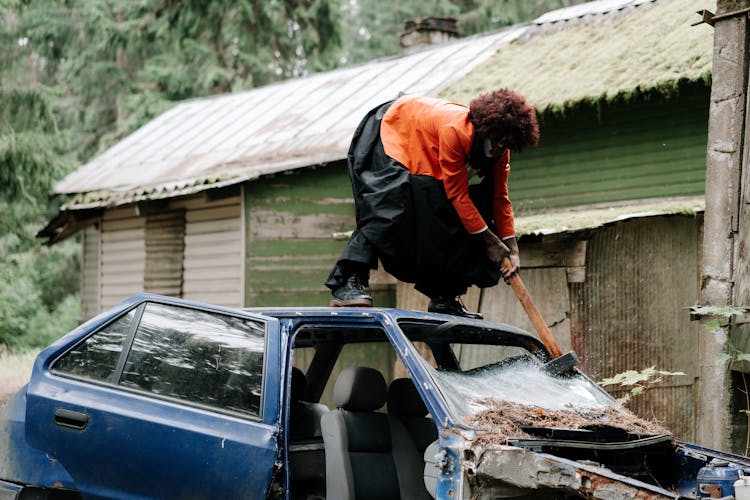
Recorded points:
15,370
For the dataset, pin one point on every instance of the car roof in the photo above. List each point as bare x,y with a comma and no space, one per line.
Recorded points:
356,312
322,313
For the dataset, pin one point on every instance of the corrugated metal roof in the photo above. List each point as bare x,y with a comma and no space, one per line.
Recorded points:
279,127
211,142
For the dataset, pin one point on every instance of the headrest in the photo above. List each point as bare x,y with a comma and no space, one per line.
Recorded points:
404,400
299,385
359,389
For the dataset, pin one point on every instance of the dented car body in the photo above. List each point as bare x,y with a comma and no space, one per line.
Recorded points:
166,398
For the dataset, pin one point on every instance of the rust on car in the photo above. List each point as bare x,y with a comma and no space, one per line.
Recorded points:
503,469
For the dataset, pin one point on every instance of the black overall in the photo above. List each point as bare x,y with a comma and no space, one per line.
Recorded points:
408,223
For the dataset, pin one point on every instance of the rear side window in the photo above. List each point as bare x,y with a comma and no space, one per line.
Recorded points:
96,358
198,356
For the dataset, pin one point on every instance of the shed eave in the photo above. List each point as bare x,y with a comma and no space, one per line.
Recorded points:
576,219
108,198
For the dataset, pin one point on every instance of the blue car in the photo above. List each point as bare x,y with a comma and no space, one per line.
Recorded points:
165,398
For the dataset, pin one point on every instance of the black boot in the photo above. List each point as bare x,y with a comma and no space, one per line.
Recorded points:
351,293
446,305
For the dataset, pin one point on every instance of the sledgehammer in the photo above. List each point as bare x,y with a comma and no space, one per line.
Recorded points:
560,363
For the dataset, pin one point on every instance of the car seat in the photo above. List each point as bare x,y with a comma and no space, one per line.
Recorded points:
362,459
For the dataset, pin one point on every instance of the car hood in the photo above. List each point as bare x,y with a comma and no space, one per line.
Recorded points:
597,463
503,469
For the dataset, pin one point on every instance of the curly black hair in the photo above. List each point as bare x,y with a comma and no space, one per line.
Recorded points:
504,117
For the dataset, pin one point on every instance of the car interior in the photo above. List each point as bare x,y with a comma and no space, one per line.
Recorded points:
359,428
355,431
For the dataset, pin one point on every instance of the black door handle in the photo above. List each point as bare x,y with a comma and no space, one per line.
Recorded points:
71,419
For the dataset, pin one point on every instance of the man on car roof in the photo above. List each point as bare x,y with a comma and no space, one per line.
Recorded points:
410,163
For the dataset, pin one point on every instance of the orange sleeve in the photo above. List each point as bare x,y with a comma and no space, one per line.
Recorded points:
502,209
452,153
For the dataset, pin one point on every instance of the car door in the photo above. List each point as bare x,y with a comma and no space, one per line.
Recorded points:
169,400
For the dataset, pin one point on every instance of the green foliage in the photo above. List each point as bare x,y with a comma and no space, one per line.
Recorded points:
102,56
38,292
30,148
47,326
637,382
27,167
37,285
733,354
76,76
19,301
484,15
716,316
372,27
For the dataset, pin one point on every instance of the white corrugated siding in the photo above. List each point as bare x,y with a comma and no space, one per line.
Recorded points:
91,246
212,264
123,256
165,244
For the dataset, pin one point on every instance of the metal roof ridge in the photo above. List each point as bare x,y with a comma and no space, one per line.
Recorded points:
598,7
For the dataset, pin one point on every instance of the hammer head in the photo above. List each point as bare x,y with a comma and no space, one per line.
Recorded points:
561,364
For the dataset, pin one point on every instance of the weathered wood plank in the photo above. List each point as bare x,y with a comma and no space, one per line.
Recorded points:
199,202
165,244
213,215
270,224
90,272
213,255
553,252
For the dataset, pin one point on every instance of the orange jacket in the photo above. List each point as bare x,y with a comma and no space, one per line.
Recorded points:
433,137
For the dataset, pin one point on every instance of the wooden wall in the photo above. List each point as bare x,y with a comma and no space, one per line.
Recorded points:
165,246
290,221
212,264
123,256
91,243
191,247
646,149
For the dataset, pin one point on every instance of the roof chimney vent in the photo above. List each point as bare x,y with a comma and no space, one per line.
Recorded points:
426,31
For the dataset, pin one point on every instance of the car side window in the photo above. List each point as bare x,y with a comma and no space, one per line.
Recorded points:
198,356
96,358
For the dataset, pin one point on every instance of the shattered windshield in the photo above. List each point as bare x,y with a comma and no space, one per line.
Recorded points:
512,375
494,380
473,363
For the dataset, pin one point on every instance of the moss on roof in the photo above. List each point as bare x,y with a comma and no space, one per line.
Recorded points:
577,219
652,46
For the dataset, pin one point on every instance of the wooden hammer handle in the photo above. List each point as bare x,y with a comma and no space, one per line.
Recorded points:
533,313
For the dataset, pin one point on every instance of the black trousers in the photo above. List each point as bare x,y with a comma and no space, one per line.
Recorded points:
407,222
